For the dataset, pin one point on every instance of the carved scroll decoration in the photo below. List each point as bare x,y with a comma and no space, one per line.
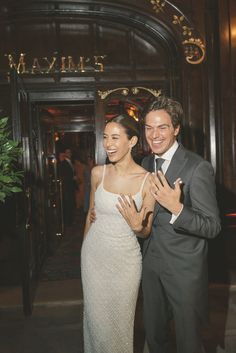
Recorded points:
125,91
194,48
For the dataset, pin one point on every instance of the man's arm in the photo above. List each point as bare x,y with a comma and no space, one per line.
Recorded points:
202,218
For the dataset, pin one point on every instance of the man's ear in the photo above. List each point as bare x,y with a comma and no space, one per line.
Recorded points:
177,130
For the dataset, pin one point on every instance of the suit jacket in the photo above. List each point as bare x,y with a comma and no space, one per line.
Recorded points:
183,244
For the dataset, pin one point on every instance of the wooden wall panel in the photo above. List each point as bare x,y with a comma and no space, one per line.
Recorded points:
227,31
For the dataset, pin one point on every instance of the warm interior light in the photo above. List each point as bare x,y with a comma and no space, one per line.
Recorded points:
233,32
132,111
231,215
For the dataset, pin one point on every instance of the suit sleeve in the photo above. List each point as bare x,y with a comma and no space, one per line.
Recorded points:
201,217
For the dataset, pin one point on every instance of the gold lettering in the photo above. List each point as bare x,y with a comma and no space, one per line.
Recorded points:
50,64
71,64
35,67
81,64
63,64
67,64
21,64
99,67
82,61
11,61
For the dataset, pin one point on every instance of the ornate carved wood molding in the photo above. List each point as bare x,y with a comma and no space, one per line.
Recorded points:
194,49
125,91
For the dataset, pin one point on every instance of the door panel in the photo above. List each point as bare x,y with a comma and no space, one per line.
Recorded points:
31,226
40,204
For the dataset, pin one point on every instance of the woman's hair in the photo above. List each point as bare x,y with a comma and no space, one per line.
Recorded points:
130,125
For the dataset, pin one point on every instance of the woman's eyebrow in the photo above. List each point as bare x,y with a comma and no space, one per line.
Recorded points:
104,134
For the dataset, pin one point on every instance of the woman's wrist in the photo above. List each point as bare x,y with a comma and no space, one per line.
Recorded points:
137,229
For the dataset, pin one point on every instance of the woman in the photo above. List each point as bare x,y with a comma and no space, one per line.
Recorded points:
111,257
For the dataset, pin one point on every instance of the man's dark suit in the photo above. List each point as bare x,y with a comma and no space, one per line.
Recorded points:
175,273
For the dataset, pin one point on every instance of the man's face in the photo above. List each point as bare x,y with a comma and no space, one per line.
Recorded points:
68,153
159,131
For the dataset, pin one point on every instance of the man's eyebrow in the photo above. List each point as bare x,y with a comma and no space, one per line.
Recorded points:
161,125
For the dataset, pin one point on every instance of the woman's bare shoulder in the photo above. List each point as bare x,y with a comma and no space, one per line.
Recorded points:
97,171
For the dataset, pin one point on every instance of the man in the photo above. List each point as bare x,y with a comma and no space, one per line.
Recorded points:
175,281
67,174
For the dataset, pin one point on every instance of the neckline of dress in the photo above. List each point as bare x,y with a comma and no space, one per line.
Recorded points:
115,193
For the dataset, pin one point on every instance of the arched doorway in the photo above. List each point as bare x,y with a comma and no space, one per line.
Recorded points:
91,51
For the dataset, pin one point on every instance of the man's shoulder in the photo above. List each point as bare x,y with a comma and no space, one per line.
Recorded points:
192,156
146,160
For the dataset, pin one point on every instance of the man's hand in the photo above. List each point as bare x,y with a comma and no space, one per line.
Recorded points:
165,195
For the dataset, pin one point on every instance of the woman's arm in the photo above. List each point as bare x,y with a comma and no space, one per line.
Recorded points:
96,174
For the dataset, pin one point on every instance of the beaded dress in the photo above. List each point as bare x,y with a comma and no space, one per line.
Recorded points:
111,264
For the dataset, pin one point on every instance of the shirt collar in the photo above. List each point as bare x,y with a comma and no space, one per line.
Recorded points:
169,153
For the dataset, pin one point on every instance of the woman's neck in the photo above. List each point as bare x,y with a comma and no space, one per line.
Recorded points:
124,167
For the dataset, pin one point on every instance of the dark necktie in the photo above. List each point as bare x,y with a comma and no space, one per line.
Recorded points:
159,162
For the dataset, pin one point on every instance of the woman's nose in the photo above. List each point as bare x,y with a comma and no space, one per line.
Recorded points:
107,142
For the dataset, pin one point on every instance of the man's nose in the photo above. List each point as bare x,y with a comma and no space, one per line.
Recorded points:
155,133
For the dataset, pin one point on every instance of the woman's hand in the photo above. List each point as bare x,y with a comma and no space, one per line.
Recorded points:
92,215
128,210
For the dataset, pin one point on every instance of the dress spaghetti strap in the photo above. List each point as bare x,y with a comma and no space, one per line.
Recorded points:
144,179
103,174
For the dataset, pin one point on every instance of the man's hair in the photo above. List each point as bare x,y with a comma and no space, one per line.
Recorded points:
171,106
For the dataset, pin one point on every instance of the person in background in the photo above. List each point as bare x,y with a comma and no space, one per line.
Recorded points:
67,174
79,165
61,156
175,273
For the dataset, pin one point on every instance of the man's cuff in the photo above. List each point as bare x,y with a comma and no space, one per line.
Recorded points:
174,217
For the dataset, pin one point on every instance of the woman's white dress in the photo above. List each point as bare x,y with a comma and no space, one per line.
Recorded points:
111,271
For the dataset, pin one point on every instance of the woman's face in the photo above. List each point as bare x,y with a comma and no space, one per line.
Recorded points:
116,142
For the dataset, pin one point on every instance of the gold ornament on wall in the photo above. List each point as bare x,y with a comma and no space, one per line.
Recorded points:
105,94
158,5
125,91
194,48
